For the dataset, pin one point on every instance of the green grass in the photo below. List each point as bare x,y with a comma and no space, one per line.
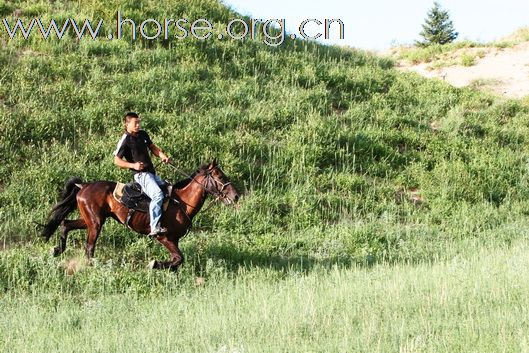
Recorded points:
352,173
468,60
476,303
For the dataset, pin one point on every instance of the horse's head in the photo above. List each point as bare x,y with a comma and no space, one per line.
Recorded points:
217,184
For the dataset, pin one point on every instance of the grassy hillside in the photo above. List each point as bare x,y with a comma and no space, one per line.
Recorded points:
327,143
342,160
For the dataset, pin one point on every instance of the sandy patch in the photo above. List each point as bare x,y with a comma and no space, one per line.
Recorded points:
501,71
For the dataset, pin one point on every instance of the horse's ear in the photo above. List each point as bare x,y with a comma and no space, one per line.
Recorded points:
214,163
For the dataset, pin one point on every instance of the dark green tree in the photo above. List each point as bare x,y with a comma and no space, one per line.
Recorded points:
438,27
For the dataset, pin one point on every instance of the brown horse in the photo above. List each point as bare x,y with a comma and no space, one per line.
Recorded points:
96,203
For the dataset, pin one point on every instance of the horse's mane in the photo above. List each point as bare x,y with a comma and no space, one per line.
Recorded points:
184,182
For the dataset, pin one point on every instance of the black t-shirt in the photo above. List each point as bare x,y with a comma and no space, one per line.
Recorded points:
136,149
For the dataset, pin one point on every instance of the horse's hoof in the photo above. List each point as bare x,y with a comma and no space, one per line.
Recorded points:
56,251
152,265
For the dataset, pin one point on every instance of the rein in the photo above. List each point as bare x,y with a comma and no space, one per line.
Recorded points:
217,193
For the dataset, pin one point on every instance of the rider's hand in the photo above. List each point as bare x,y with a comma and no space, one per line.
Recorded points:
166,159
138,166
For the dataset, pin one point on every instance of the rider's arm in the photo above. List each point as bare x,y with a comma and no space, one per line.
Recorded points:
124,164
158,152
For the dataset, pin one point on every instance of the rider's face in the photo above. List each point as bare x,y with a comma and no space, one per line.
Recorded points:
133,125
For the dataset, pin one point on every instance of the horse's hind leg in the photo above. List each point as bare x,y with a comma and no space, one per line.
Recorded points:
66,226
93,233
94,219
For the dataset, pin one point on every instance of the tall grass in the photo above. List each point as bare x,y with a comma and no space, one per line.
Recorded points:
472,303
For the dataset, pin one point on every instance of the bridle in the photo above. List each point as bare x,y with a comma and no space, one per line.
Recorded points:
216,192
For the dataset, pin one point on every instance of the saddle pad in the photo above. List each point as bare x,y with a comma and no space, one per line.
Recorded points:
118,191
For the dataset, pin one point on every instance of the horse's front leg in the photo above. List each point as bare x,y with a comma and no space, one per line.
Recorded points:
177,258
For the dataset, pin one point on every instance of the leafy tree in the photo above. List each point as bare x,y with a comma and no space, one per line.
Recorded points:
438,27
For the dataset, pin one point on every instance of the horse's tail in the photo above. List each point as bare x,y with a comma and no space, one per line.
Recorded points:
63,208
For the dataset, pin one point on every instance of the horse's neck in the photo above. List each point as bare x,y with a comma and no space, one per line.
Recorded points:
192,196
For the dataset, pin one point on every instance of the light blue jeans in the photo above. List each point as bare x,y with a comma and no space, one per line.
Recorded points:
150,184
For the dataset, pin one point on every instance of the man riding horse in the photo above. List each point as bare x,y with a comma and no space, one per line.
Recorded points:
134,146
96,201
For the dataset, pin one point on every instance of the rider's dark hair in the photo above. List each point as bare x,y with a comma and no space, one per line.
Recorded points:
130,115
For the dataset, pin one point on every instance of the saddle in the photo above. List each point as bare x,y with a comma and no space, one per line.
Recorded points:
134,199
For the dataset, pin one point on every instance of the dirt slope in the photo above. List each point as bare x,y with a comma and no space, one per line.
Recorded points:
504,71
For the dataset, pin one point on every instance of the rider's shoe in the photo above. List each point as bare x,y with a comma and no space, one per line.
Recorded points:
158,231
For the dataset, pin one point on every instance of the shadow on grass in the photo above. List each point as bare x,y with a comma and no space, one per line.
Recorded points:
233,260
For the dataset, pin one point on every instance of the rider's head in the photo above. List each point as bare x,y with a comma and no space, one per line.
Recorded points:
132,122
